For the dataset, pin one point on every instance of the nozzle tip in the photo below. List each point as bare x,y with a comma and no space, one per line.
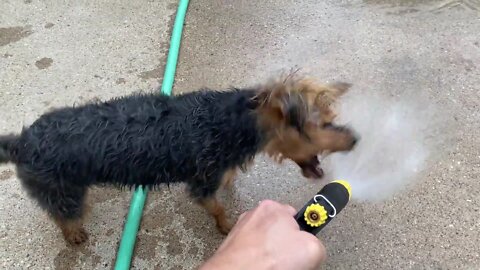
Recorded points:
346,185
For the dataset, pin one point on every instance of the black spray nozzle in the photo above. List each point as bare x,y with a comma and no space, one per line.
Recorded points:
324,206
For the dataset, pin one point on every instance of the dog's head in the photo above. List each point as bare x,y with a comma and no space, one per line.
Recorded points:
297,115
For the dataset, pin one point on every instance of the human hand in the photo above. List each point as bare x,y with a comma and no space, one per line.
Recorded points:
268,237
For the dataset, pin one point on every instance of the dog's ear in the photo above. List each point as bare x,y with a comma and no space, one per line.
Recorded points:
327,95
339,88
283,106
295,111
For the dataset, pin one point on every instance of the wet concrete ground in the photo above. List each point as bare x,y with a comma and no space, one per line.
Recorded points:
59,54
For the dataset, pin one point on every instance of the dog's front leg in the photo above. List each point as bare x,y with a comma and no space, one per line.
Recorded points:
229,178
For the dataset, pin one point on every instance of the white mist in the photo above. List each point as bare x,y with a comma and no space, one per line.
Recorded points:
398,137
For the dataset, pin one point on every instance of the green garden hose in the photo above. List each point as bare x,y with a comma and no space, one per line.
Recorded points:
132,224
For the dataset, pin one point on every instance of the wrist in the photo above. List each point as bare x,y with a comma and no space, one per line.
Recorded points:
246,259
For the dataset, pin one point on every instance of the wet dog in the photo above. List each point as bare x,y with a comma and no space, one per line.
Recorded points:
200,138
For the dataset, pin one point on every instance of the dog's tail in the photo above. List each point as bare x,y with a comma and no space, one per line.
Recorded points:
6,143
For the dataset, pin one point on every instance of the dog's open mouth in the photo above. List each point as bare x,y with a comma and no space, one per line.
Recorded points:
311,168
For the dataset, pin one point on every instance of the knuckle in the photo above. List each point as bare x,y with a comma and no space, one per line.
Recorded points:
291,209
315,248
268,204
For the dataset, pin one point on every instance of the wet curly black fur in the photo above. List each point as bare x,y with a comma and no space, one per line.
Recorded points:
144,139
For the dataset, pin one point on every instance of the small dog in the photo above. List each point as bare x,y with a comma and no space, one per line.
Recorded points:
200,138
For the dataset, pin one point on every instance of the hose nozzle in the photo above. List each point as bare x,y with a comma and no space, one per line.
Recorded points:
324,206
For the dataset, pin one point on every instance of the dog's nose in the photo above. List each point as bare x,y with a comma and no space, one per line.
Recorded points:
354,137
354,141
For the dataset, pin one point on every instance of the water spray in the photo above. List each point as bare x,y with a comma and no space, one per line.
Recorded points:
324,206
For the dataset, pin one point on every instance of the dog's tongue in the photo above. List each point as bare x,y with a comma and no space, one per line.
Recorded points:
318,171
312,169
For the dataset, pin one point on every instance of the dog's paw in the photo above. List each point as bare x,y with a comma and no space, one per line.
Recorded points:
225,227
76,237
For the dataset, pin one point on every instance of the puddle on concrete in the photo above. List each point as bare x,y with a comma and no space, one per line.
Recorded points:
44,63
460,4
13,34
401,3
5,175
400,7
69,257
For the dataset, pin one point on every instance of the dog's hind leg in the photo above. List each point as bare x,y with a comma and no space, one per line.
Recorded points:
217,210
204,191
65,202
70,218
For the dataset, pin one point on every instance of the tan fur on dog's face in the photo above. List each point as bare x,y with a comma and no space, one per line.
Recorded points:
298,117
